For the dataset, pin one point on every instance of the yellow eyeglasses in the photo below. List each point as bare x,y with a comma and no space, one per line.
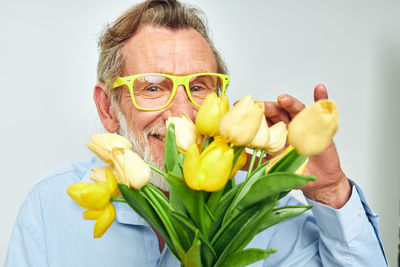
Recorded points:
155,91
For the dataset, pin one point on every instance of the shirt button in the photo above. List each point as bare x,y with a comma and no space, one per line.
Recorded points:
359,212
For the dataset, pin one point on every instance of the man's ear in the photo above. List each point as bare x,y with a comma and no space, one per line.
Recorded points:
104,108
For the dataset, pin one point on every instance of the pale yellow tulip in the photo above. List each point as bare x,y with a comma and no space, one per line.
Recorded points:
311,131
102,144
241,123
185,132
129,168
261,140
277,138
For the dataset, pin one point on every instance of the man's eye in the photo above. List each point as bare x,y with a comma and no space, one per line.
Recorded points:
195,89
153,89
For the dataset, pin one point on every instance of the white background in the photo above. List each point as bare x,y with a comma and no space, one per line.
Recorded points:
48,57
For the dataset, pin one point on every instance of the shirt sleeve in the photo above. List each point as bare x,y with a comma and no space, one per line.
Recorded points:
27,244
351,231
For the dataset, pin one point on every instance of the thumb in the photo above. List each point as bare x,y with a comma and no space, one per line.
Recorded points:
320,92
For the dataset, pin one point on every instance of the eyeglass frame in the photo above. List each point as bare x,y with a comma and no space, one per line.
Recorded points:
176,81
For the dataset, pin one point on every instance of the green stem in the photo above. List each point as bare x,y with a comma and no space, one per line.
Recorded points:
261,158
201,211
206,142
118,199
156,169
253,159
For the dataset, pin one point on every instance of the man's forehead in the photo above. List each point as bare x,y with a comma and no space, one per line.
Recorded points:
160,49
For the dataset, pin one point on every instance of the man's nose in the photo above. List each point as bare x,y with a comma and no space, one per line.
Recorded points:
181,104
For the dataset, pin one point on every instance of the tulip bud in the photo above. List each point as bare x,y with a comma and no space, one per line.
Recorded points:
210,114
99,174
300,171
261,140
277,138
102,144
185,132
129,168
241,123
311,131
210,170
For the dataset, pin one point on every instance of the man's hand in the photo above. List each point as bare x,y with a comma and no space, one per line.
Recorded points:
331,187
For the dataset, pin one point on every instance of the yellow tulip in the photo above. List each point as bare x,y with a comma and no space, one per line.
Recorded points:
261,140
210,170
277,138
210,114
100,174
95,197
185,132
241,123
102,144
311,131
300,171
240,162
129,168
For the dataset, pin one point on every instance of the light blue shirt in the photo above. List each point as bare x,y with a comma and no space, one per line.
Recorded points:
50,231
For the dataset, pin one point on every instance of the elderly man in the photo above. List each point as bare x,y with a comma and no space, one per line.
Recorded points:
164,39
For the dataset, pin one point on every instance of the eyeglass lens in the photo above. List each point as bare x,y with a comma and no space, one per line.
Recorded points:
155,91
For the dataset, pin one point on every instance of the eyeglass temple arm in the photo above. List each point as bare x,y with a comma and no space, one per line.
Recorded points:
118,82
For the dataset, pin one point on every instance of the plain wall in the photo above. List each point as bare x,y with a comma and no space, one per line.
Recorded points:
48,56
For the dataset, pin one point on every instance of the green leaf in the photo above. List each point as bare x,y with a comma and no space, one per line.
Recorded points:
224,235
280,214
289,163
179,235
221,209
171,150
247,257
249,229
163,209
188,196
142,207
269,185
193,255
208,254
243,189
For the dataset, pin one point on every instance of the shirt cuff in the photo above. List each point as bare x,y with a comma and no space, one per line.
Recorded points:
343,224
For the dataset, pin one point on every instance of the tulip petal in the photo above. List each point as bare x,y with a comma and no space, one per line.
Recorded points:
91,214
99,175
191,167
130,169
239,164
111,182
75,192
261,139
185,131
208,116
104,221
240,124
277,138
95,195
311,131
102,144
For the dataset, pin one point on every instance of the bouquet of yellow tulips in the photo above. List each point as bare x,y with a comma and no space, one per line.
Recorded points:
208,218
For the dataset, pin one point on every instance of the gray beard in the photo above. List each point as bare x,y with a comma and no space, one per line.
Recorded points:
142,150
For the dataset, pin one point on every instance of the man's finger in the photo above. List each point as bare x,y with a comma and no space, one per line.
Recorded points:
275,113
320,92
290,104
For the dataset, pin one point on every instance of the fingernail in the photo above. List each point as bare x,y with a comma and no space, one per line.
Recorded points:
282,98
